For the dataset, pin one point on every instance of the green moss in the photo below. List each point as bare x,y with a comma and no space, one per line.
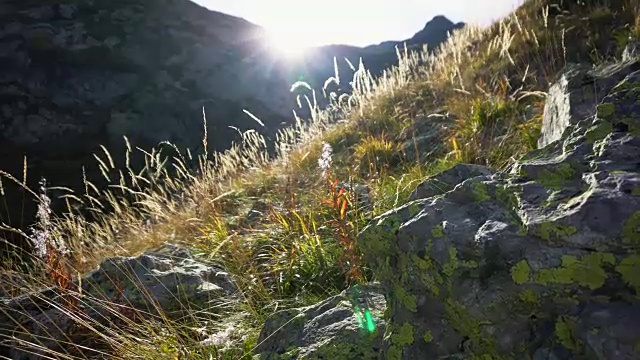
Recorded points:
529,297
635,192
598,132
409,301
480,192
564,329
551,230
376,243
605,110
629,268
404,336
453,263
521,272
291,353
438,231
394,353
414,209
633,124
427,336
587,271
427,274
363,349
556,178
522,231
520,170
631,229
506,196
466,325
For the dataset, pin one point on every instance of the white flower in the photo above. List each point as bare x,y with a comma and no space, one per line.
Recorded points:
325,159
41,236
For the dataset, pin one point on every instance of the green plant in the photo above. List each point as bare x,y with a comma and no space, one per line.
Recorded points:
374,154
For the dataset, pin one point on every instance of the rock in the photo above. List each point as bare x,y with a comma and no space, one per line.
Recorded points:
326,330
171,275
539,261
446,180
575,95
168,279
259,212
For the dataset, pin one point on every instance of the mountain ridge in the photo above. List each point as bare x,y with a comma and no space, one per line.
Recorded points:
439,25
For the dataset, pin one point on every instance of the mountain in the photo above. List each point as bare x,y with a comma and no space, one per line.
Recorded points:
78,74
318,63
433,34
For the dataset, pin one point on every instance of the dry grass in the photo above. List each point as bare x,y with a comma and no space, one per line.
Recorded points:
489,84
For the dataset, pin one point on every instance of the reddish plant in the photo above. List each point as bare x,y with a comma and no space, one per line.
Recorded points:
339,202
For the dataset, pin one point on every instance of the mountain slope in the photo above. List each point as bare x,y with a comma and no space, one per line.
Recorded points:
79,74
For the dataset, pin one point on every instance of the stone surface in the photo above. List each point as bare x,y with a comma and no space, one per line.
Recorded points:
575,95
169,279
327,330
445,181
539,261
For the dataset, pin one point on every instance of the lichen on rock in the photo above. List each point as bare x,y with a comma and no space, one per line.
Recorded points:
519,264
327,330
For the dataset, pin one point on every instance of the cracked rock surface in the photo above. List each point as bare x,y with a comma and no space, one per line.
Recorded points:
541,261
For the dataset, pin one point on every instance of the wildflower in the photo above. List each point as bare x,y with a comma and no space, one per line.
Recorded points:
41,235
325,159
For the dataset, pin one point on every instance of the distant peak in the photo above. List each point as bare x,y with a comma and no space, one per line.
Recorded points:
439,20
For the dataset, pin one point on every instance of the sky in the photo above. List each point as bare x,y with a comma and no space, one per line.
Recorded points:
356,22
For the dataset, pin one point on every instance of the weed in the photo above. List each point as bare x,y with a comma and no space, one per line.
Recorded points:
374,155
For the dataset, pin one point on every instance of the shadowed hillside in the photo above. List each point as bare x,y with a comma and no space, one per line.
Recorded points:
80,74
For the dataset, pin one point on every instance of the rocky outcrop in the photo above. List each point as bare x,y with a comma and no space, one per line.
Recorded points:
328,330
445,181
540,261
168,281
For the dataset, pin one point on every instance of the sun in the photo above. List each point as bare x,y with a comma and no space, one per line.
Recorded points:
286,42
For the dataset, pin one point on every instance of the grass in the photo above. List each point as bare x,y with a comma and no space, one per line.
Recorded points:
478,98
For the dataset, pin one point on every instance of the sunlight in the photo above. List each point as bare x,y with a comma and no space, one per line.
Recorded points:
286,42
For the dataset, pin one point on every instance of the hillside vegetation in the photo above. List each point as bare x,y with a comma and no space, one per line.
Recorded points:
285,229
